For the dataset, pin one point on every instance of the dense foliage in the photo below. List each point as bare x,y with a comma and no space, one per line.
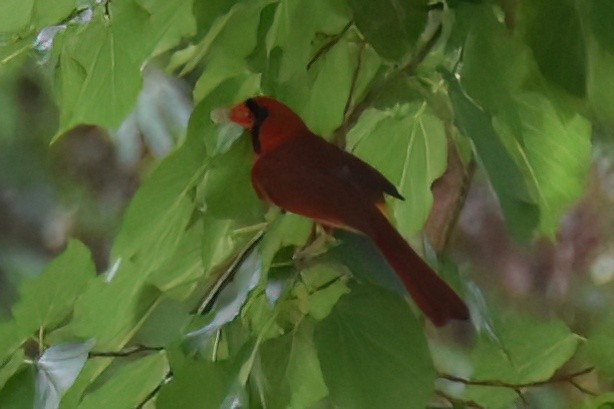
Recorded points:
513,88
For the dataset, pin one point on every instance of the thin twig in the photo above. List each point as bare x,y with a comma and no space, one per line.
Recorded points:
581,388
457,401
469,172
135,349
340,137
568,378
227,275
409,69
154,392
326,47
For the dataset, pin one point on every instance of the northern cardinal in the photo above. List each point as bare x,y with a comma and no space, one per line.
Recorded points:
302,173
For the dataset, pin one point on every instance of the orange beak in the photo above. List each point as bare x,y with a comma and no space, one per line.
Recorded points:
241,115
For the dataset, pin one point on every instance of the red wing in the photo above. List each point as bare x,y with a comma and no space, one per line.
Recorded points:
310,177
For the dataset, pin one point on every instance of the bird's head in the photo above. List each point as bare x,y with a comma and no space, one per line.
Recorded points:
269,122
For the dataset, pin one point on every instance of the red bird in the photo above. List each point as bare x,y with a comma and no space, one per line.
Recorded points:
303,174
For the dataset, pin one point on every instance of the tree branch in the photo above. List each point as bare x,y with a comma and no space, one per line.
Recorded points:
457,401
339,137
408,69
565,378
227,275
135,349
326,47
167,378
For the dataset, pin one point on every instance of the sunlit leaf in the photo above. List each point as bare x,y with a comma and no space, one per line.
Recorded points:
129,386
553,152
287,229
408,145
99,72
160,211
11,366
232,169
521,213
47,300
15,16
528,350
12,335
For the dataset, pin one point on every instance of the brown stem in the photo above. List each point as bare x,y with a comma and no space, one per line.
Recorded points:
227,275
407,70
324,49
125,352
339,138
567,378
457,401
154,392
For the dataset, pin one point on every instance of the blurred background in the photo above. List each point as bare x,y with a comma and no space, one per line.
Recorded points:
78,186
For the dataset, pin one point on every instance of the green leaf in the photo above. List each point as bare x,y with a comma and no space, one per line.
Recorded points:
302,31
15,15
601,15
46,13
373,353
159,212
392,27
495,62
19,16
364,260
408,145
184,267
291,373
218,242
11,366
521,213
331,87
227,189
527,350
111,311
295,26
287,229
232,297
605,401
599,346
18,393
325,286
197,384
12,335
225,48
554,153
46,300
99,64
554,34
600,59
129,386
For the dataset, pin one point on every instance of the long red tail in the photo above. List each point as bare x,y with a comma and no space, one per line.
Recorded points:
432,295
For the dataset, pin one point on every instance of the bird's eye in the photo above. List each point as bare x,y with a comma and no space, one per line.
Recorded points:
259,112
